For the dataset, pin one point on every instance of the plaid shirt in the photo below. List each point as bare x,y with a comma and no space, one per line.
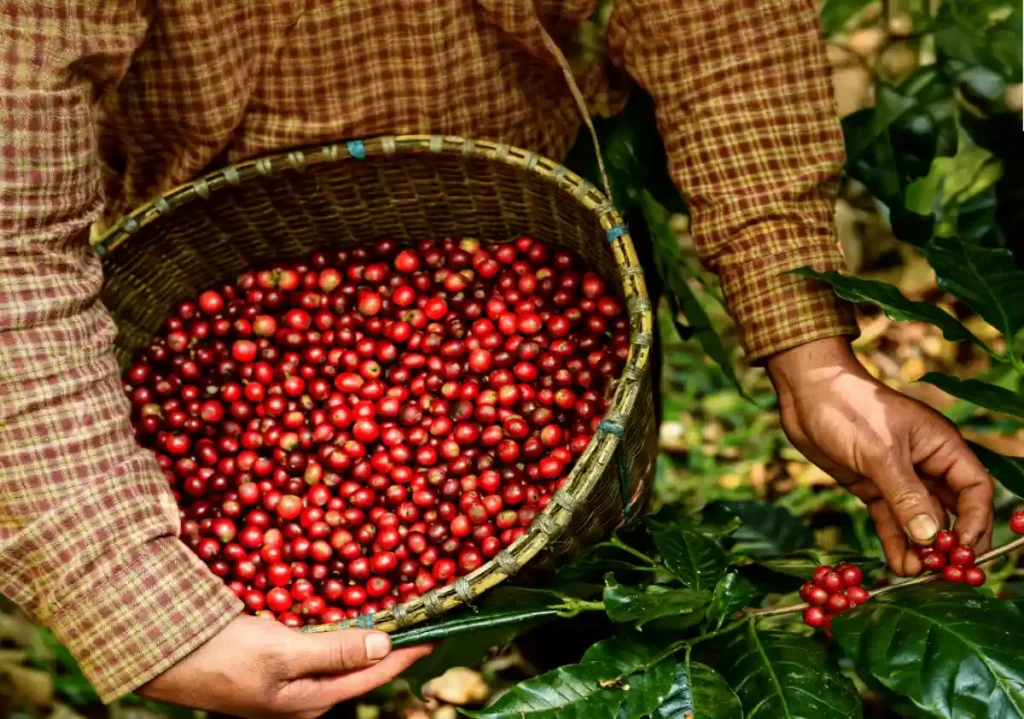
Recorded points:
105,102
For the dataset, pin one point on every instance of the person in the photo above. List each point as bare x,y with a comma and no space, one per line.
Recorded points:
104,103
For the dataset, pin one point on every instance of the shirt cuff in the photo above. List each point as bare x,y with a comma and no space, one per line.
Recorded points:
775,310
145,611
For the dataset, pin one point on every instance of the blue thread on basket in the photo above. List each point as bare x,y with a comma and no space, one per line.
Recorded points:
617,231
357,149
618,431
364,621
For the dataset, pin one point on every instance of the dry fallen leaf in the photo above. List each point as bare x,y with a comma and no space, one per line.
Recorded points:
445,712
459,686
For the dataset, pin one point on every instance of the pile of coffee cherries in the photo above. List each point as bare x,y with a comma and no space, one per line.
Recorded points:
832,591
351,431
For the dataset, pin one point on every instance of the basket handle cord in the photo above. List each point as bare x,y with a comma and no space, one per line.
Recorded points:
606,425
574,89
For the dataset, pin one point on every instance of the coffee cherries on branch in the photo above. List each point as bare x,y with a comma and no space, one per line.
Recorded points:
953,560
832,591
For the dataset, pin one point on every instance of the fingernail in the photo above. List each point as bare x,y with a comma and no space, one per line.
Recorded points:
377,646
922,528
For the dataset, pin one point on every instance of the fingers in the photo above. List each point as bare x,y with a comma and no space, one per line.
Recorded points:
333,690
985,543
967,476
909,501
894,541
338,652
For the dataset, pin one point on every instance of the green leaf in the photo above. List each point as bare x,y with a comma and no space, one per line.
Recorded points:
974,169
625,604
697,560
986,278
924,195
785,676
669,264
569,692
646,691
701,694
766,531
1009,471
732,593
981,32
890,145
947,648
893,303
645,687
837,14
679,703
982,394
625,654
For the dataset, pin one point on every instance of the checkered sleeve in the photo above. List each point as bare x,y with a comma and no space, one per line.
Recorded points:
744,101
88,525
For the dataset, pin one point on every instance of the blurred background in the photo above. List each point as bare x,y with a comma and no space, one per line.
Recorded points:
915,80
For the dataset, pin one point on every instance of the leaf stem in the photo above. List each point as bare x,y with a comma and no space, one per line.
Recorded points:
570,607
985,558
618,543
688,644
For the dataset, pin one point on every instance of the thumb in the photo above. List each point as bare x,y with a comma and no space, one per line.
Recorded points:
337,652
910,502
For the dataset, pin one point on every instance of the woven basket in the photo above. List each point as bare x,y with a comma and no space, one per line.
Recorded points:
407,188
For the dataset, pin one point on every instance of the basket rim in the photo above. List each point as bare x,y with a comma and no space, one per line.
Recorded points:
589,466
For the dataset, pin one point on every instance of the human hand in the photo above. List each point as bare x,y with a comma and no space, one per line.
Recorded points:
903,459
259,668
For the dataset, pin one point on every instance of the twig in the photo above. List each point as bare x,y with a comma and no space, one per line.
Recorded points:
619,544
985,558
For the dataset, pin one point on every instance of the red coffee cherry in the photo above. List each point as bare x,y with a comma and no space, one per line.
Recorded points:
815,617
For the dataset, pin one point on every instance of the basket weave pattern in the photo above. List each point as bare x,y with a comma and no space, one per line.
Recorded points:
406,188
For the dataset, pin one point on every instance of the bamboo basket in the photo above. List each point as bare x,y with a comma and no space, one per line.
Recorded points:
283,206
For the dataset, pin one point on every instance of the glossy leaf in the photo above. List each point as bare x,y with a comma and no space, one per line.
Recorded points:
626,604
986,278
954,180
785,676
700,693
569,692
893,303
505,607
697,560
892,144
646,691
836,14
732,593
983,394
679,703
982,33
645,687
712,697
1009,471
766,530
945,647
